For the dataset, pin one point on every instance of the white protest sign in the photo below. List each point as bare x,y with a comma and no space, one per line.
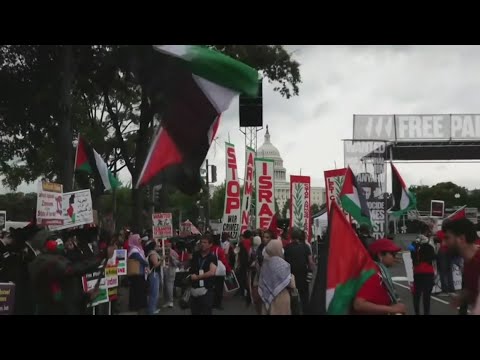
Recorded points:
77,209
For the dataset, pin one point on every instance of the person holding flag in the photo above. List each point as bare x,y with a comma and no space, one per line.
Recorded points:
377,296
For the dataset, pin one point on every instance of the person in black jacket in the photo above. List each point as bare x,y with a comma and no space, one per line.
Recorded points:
54,276
423,255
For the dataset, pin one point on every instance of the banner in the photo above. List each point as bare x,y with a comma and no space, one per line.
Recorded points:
7,298
162,225
77,209
333,186
264,194
89,281
121,259
231,210
3,220
49,204
367,161
247,188
300,204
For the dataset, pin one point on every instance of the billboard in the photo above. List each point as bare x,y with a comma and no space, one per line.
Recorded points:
367,161
437,208
408,128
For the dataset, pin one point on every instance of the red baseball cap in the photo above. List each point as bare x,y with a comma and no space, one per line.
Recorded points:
383,245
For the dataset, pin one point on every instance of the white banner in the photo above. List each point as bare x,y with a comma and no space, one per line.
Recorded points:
77,209
248,184
265,192
231,213
49,204
162,225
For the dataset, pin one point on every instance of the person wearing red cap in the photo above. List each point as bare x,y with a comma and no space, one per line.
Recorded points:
377,296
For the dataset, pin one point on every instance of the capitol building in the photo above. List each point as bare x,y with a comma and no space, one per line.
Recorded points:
282,186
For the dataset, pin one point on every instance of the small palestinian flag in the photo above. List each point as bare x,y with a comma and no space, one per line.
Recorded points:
457,215
88,160
353,200
205,83
403,199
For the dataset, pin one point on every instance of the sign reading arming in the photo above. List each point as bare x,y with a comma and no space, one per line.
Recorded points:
416,127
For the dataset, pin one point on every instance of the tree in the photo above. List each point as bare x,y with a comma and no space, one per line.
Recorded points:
113,94
19,206
286,209
217,203
441,191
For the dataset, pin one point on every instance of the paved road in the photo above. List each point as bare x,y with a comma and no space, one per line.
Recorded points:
235,306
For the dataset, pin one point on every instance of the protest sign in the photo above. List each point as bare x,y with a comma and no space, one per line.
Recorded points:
90,280
162,225
300,204
247,189
77,209
7,298
111,276
113,294
265,200
49,204
121,259
231,209
333,185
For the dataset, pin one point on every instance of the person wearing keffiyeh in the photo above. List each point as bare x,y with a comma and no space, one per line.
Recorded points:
275,281
138,282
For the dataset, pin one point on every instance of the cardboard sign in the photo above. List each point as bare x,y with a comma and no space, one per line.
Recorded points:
265,190
231,209
50,204
162,225
247,189
77,209
7,298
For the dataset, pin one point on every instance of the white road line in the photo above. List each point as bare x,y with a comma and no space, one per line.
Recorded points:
433,297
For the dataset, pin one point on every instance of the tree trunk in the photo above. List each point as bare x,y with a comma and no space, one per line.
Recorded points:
65,136
141,151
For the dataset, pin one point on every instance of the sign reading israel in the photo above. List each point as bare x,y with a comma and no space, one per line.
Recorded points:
416,127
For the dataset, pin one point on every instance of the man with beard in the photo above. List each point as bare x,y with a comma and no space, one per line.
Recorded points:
460,237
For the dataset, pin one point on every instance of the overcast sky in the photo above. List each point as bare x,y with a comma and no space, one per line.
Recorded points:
339,81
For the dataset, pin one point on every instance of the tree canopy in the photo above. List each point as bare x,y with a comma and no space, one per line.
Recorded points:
111,94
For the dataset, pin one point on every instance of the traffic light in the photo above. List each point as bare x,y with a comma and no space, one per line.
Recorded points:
214,174
157,195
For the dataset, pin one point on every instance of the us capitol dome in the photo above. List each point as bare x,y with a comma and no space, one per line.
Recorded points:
282,186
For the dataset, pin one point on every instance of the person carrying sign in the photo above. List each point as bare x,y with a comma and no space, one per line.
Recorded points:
53,275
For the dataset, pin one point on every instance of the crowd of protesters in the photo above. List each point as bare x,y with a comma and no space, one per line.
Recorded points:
273,270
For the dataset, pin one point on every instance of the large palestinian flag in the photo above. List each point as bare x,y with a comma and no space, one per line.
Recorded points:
349,266
353,200
403,199
88,160
204,82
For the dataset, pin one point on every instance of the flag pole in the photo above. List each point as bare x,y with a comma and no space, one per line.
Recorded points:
75,163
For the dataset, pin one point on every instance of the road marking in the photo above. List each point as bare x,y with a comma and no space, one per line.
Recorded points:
433,297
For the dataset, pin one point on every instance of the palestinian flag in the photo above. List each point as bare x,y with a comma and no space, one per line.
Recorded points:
205,83
403,199
353,200
457,215
349,265
87,159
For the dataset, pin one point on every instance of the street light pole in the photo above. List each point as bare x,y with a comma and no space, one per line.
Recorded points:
207,207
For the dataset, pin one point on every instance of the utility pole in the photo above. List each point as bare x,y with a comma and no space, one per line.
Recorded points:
207,207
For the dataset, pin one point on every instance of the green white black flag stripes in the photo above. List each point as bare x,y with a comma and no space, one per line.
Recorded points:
403,199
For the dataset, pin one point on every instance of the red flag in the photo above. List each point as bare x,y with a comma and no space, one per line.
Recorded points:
457,215
274,226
